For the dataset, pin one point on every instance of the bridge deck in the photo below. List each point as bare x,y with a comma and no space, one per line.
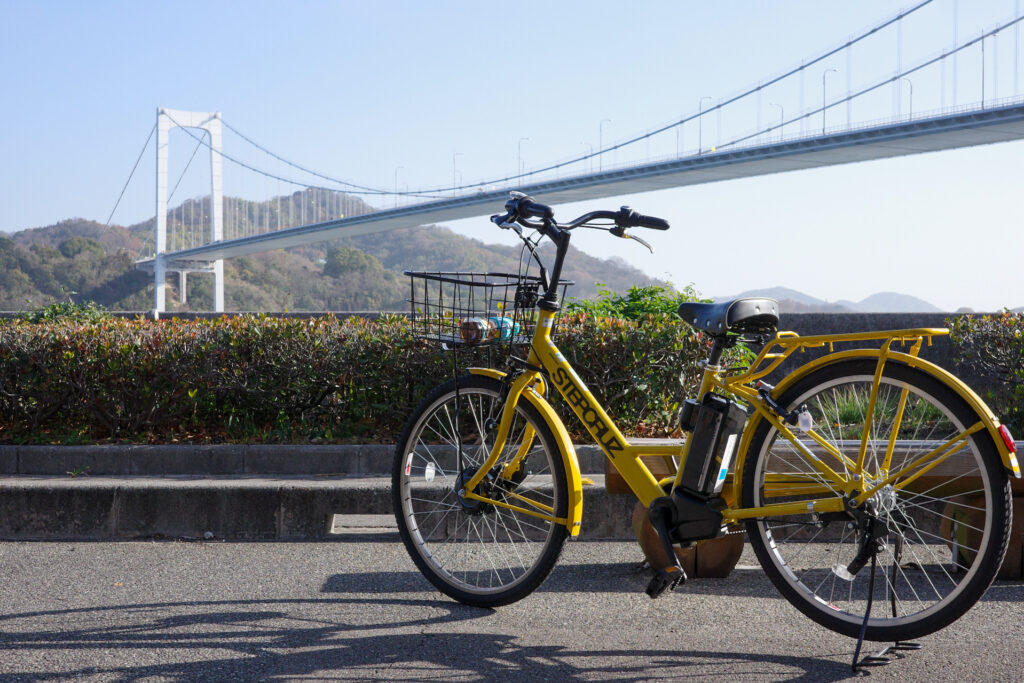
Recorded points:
962,129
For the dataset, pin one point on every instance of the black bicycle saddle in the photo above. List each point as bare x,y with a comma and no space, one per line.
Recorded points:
751,315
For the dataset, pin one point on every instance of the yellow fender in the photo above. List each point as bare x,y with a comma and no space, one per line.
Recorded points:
564,444
991,421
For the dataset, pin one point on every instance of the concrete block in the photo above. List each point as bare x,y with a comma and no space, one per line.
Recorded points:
8,459
44,460
56,511
98,459
376,459
604,515
235,512
187,459
307,509
591,458
301,460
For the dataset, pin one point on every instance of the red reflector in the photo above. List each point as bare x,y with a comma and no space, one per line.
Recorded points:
1007,438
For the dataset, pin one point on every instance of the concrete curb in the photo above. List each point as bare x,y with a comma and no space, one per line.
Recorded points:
233,491
236,508
218,459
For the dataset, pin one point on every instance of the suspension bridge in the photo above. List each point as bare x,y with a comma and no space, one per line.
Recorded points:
960,85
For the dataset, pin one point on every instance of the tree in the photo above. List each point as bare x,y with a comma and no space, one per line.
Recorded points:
345,260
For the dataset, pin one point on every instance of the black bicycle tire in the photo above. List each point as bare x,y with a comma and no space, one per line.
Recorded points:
542,567
991,555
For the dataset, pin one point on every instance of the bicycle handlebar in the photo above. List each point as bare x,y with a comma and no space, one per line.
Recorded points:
520,207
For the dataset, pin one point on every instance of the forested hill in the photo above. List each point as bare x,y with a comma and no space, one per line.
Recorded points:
83,260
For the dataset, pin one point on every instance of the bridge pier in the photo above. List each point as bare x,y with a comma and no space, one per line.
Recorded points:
209,123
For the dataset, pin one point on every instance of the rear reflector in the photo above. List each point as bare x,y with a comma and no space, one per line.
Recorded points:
1007,438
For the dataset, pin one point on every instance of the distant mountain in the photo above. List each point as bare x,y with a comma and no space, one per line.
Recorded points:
84,260
792,301
892,302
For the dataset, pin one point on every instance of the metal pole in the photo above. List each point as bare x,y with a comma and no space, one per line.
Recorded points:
910,115
849,81
600,144
700,124
956,22
823,74
397,168
519,157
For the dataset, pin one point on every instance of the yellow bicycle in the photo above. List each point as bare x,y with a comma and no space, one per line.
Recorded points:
862,462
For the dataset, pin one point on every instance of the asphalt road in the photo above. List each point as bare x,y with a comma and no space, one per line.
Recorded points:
357,609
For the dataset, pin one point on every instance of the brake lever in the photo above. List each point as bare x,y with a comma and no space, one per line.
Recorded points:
620,231
504,222
634,237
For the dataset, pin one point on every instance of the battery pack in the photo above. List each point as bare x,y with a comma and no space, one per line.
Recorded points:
717,426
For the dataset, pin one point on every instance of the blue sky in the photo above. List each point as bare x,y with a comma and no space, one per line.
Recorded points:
379,92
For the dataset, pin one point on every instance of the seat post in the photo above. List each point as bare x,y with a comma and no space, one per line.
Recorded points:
719,346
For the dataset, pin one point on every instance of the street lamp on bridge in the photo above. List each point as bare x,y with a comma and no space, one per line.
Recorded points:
600,144
823,74
700,123
911,84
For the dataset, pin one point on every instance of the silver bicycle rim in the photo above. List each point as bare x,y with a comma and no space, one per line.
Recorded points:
482,553
939,553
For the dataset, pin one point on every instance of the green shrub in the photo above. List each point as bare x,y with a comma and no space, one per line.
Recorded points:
993,346
635,304
86,312
257,378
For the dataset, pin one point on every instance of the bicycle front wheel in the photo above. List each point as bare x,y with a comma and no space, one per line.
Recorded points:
946,529
476,552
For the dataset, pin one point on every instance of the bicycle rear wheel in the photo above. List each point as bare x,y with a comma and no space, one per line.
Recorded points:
475,552
946,531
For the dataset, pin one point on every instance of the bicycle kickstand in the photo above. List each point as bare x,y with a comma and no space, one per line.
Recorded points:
881,658
667,578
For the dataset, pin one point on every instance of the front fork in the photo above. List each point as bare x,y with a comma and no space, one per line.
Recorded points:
514,391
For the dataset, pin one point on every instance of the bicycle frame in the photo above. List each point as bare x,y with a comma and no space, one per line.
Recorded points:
842,473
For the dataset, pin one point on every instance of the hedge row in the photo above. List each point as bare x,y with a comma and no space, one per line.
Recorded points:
271,379
257,378
993,347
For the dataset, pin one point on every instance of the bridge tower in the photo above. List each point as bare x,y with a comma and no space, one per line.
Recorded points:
209,123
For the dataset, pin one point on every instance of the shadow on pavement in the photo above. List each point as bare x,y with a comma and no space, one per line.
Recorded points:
613,577
258,639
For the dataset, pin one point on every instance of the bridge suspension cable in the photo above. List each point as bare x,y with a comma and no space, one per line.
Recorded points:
290,181
130,175
890,79
440,191
716,108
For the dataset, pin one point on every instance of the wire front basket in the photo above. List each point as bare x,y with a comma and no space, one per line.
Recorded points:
458,310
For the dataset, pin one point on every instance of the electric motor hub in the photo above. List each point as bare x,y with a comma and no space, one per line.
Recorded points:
470,506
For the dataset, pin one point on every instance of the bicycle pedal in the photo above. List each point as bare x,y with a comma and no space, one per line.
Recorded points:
666,579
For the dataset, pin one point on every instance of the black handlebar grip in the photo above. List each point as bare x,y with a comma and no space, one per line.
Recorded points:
628,218
526,207
651,222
